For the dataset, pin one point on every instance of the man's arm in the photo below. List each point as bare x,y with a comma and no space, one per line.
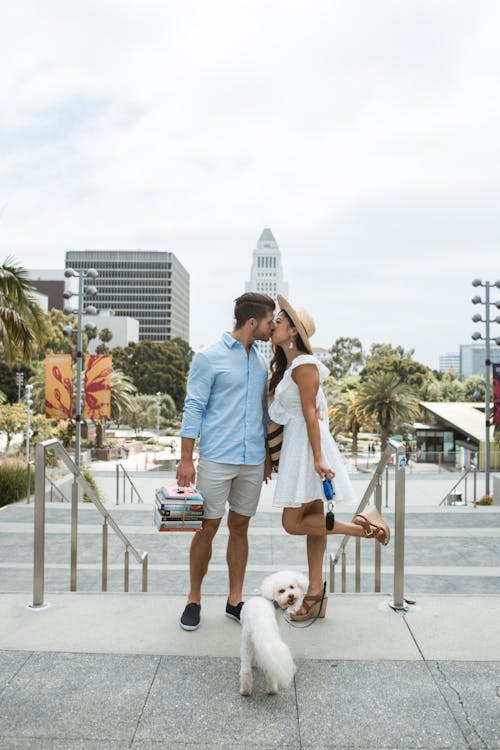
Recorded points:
199,386
186,473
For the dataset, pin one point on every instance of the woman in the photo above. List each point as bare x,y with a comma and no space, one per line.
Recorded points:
309,454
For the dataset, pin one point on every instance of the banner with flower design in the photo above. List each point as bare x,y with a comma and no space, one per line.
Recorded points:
58,386
496,394
97,391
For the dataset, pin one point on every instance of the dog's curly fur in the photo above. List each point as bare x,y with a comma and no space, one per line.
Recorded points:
260,638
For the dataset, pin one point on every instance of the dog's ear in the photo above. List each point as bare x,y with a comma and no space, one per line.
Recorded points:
267,588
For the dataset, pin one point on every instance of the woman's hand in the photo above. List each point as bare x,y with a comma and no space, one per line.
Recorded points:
323,470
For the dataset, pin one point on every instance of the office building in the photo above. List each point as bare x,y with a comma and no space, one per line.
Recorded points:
266,275
124,330
472,358
51,284
449,362
150,286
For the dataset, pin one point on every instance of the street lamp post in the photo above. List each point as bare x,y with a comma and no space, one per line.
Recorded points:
79,312
487,369
19,382
158,412
29,403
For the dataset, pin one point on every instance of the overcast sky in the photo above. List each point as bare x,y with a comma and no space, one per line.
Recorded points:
364,133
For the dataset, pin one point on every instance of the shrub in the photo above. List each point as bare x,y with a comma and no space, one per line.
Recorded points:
13,479
485,500
90,479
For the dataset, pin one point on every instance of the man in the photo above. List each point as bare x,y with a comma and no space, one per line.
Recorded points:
225,405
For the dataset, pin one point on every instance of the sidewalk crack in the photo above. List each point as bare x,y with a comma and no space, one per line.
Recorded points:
145,701
8,683
468,721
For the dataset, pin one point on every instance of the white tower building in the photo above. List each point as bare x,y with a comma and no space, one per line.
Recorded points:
266,275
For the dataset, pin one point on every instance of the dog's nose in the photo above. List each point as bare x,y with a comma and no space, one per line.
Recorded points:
291,598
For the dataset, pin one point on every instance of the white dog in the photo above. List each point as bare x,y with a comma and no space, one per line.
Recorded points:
260,638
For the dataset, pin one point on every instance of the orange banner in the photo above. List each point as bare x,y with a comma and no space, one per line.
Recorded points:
58,386
97,400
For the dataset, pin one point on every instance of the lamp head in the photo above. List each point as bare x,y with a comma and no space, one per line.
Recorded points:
92,273
90,327
68,309
476,335
90,310
67,295
92,290
67,330
476,300
497,340
477,282
69,272
476,318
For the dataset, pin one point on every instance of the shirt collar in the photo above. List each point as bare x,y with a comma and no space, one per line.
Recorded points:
230,341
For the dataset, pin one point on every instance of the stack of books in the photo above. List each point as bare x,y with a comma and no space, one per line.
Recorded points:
178,509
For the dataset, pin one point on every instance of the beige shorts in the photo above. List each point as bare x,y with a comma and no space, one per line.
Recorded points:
239,485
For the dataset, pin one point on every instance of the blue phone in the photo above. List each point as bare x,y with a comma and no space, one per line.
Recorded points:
328,489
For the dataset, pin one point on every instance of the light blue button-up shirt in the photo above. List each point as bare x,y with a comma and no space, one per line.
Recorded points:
225,402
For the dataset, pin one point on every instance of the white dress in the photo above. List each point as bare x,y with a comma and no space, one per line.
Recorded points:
298,482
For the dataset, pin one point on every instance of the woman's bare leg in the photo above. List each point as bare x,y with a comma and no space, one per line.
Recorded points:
300,521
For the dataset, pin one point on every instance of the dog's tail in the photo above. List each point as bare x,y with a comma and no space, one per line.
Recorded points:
275,658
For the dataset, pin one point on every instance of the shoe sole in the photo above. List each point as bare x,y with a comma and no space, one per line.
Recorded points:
189,627
233,617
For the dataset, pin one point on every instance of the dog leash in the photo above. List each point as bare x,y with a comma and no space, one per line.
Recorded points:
295,624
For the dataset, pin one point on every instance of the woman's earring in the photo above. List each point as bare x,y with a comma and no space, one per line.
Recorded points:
291,344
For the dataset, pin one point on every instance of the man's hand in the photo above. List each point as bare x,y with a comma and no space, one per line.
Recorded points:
186,473
268,468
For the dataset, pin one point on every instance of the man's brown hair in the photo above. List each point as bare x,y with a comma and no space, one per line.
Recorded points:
252,305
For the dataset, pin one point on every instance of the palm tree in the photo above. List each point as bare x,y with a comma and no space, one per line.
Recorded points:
344,416
21,317
386,400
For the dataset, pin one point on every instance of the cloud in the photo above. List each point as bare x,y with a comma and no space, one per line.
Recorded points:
365,134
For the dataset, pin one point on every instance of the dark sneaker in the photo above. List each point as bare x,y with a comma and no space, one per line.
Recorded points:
190,618
234,612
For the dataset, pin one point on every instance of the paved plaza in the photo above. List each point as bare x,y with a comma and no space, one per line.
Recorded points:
115,670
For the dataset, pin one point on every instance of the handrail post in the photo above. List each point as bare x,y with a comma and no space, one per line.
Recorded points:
378,550
145,573
398,602
74,533
39,529
104,572
117,484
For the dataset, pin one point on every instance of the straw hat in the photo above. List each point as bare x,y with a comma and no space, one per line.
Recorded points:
302,321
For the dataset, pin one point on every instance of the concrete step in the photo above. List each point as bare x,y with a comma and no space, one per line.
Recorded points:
357,626
454,552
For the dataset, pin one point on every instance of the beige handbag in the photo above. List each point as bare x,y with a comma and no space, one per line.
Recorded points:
274,441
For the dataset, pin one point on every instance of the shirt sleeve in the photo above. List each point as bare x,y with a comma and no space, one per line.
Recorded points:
199,387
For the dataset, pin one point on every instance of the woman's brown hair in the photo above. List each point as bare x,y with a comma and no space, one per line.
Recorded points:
279,362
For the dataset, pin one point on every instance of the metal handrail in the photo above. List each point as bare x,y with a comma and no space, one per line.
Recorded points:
79,482
463,478
133,488
396,449
54,487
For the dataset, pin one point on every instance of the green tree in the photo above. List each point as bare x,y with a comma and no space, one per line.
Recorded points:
54,340
12,419
475,388
408,370
21,317
104,336
157,367
141,414
385,400
346,356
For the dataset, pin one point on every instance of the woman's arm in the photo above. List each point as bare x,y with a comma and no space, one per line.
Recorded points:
307,378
